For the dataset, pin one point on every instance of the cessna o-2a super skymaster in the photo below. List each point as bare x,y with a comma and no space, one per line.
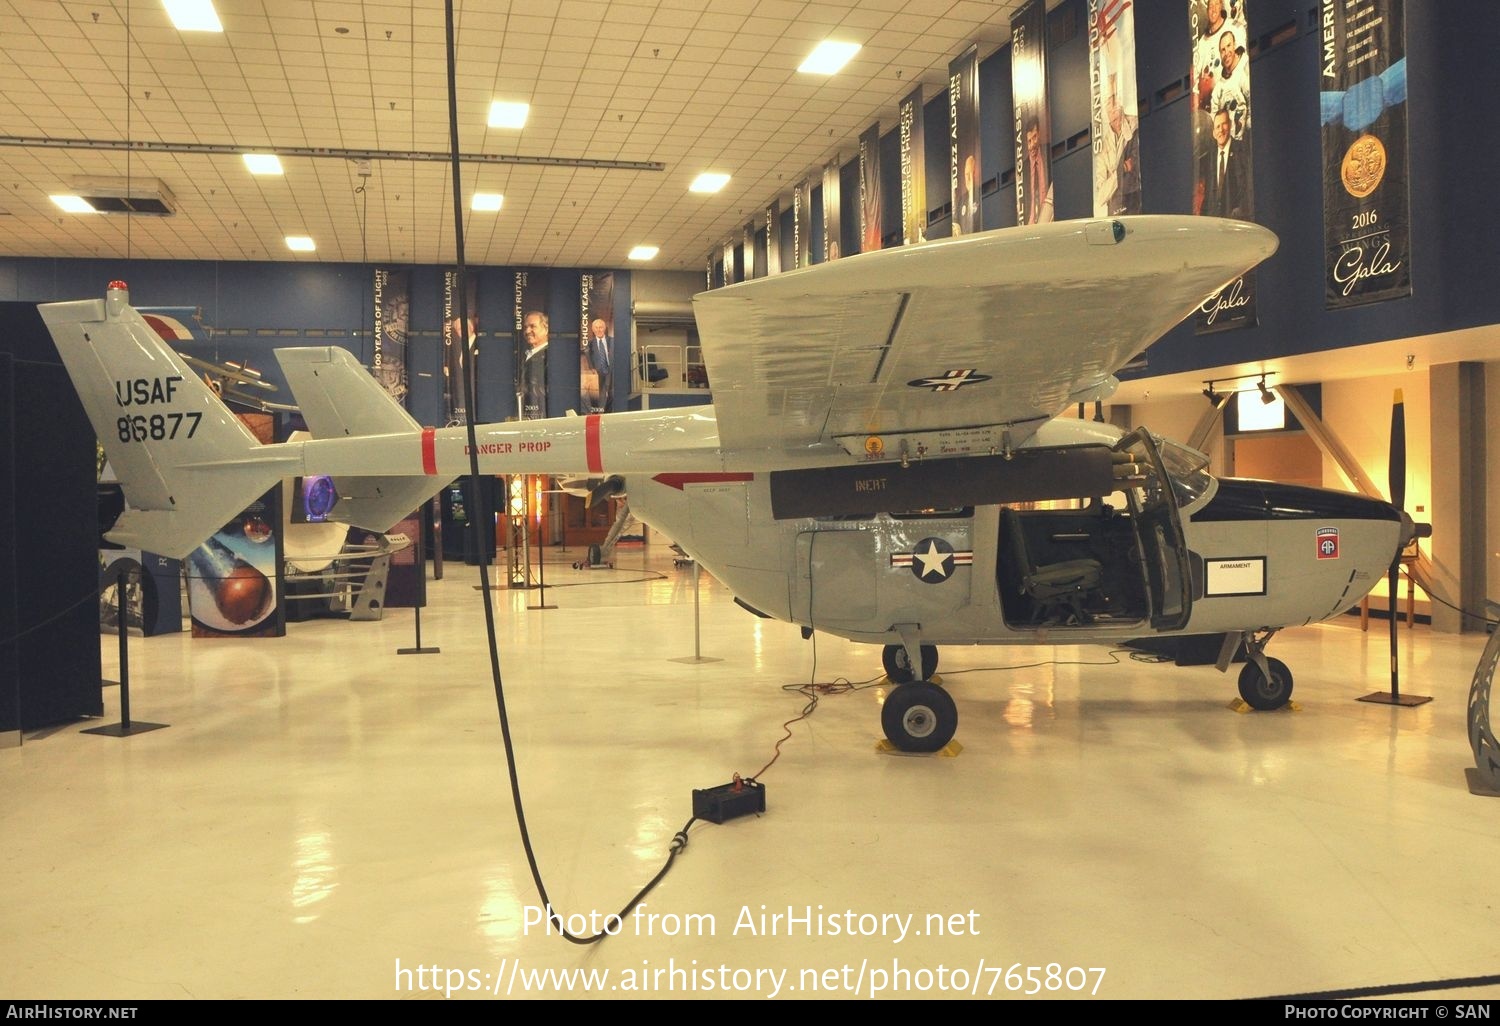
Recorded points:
876,423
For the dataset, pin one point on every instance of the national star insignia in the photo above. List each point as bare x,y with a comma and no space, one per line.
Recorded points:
933,560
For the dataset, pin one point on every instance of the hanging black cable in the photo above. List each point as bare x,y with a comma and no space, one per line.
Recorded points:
679,840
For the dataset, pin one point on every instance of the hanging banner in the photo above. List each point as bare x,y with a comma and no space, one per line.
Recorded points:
728,257
392,313
1028,78
1366,205
913,164
801,225
460,347
773,237
963,140
596,342
1222,179
869,189
533,328
1116,112
832,220
747,247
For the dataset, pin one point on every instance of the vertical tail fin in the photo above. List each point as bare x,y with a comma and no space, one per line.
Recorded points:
186,463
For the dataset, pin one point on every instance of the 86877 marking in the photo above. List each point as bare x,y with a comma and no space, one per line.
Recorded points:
158,427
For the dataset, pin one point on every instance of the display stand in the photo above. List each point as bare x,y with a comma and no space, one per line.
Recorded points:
122,572
697,656
418,649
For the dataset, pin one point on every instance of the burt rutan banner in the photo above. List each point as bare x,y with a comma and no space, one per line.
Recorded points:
1366,211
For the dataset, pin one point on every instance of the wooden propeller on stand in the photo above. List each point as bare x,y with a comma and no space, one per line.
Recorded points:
1398,499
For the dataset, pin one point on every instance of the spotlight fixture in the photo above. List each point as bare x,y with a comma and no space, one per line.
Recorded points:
1266,395
1212,396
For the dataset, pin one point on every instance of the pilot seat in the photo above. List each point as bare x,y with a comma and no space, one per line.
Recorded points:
1056,590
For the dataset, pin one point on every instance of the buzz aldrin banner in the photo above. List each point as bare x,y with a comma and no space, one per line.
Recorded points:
1222,179
963,140
1115,110
460,346
913,164
1366,206
392,290
533,335
1033,128
596,342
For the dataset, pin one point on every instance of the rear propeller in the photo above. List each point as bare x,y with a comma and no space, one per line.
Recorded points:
1409,532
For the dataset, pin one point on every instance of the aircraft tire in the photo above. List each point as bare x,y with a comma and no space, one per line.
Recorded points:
1263,694
898,667
919,717
596,556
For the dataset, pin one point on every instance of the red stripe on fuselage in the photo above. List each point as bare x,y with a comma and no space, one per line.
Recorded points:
429,452
678,480
591,443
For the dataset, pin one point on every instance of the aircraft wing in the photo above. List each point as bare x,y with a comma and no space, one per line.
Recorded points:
957,345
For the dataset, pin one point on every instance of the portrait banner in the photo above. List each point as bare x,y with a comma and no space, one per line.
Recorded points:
596,342
801,225
913,165
869,189
1033,128
533,329
832,212
1115,108
963,140
460,347
773,237
1223,183
392,291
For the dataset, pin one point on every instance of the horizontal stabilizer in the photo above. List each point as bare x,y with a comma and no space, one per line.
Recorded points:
338,397
1027,475
378,503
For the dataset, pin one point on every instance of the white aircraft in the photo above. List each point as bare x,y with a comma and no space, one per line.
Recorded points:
877,421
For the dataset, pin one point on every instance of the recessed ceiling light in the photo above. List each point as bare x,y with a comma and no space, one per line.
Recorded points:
74,204
644,252
263,163
709,181
193,15
828,57
300,244
486,201
504,114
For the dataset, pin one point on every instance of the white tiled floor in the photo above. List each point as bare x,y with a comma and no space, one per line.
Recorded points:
325,818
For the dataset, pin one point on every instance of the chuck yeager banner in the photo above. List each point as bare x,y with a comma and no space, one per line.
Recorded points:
1222,181
1366,210
596,342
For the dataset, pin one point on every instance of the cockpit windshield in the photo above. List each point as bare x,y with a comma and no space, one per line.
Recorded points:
1188,470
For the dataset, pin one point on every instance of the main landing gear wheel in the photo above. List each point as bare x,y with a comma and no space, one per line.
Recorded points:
1261,693
919,717
898,666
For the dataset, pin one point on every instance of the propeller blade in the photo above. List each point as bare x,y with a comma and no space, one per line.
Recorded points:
1398,452
1398,499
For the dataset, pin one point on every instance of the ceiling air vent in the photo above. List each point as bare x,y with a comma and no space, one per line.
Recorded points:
127,196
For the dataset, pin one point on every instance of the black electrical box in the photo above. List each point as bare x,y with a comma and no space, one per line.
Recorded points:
729,801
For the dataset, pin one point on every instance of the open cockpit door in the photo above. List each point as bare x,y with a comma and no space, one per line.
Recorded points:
1153,508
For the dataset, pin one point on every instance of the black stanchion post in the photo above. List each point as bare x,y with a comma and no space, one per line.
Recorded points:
125,728
541,571
418,650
